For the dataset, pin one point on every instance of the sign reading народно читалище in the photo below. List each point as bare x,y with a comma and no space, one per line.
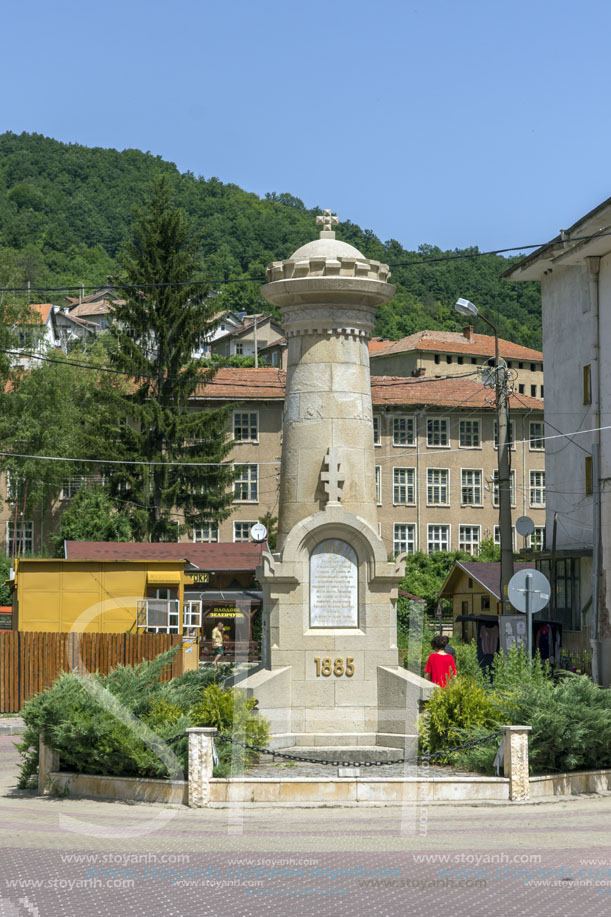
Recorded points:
333,585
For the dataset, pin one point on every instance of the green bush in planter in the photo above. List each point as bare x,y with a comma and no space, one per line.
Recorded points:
91,740
232,714
454,710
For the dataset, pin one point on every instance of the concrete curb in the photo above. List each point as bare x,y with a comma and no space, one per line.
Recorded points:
13,726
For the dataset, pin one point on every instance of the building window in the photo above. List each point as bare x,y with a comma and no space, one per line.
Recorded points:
536,441
246,485
521,389
437,431
70,488
468,539
161,612
19,538
437,489
438,538
542,391
437,358
537,539
239,348
588,474
379,485
520,366
474,361
14,486
449,358
568,600
404,485
460,360
246,427
497,536
485,603
533,391
241,531
206,533
471,487
587,384
377,439
403,431
511,439
468,434
495,487
536,492
404,538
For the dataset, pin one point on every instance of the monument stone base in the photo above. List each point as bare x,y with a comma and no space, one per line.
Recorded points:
330,674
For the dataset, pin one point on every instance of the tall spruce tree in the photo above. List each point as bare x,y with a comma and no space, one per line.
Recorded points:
155,332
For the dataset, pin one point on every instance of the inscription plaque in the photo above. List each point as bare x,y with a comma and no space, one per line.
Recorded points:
333,585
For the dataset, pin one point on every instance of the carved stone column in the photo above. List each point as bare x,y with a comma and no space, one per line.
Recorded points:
327,293
200,764
515,763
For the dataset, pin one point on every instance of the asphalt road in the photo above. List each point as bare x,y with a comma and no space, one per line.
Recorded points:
78,858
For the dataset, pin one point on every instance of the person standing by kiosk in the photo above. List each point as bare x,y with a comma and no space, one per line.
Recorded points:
218,635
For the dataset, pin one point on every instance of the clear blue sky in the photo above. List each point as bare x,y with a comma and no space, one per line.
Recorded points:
437,121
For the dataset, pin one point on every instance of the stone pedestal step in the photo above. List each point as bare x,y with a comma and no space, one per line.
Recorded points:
347,755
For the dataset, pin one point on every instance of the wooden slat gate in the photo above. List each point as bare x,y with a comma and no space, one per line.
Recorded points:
30,662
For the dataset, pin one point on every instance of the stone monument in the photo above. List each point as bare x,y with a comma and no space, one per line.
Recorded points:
330,675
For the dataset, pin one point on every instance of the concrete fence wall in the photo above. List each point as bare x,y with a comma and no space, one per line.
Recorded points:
203,790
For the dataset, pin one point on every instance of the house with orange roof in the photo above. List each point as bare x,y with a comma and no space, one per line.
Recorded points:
47,327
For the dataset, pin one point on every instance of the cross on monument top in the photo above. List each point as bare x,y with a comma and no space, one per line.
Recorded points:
333,479
328,220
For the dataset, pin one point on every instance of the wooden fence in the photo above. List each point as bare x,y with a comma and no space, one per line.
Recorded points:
30,662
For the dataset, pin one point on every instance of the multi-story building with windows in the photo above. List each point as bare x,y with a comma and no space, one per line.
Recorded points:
436,462
574,269
436,458
435,354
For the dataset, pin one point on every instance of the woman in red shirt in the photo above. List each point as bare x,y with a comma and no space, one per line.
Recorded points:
440,666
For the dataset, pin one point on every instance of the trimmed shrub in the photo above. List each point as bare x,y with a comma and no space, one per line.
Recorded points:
92,739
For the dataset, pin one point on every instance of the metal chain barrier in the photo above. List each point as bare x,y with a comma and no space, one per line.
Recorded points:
412,760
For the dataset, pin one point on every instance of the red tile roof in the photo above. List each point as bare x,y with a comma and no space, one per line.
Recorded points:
238,384
447,392
217,556
41,312
376,344
455,342
268,383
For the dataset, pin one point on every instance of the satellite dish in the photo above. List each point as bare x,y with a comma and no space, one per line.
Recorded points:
258,532
525,526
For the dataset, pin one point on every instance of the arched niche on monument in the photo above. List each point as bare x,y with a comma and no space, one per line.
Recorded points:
334,587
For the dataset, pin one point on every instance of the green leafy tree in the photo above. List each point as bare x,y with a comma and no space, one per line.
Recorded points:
91,516
425,573
156,331
488,550
52,410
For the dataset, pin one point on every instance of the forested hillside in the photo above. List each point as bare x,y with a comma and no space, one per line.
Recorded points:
66,210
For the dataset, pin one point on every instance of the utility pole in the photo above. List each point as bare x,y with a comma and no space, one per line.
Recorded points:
464,307
504,474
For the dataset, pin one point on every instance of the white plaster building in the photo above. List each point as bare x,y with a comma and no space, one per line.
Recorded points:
575,274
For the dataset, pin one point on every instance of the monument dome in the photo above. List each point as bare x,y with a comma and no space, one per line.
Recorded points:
326,248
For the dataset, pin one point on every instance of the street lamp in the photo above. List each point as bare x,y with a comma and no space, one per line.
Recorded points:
464,307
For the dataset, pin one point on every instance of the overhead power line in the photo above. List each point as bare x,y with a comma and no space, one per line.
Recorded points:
134,374
259,278
89,461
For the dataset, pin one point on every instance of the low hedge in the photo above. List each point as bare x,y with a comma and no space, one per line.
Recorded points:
570,717
130,724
